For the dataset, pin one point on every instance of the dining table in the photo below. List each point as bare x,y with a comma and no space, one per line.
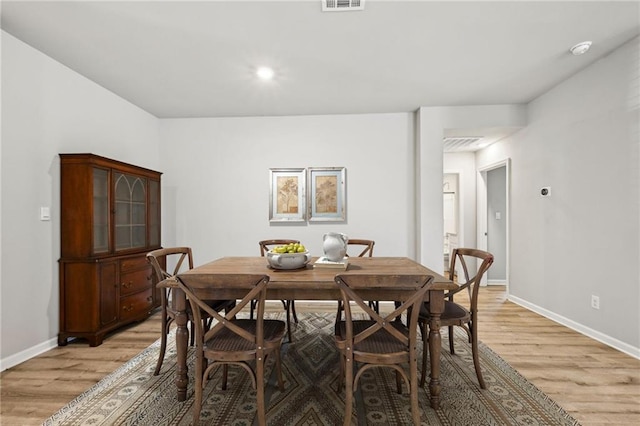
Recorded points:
314,283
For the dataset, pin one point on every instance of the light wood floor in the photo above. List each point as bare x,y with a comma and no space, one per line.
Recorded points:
596,384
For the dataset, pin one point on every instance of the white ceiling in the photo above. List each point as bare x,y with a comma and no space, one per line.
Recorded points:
197,59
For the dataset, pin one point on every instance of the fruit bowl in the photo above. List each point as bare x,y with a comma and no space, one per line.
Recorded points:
288,260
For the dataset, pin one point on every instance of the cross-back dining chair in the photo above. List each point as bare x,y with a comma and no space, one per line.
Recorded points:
289,305
158,260
233,341
455,314
381,341
364,248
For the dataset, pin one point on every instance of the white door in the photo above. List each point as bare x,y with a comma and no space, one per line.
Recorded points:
493,219
497,224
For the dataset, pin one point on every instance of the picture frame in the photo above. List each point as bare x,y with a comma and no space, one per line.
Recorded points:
327,195
287,195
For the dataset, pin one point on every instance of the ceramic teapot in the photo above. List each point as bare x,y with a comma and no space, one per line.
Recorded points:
334,245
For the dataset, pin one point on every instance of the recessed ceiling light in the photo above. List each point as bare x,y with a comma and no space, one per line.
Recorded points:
580,48
265,73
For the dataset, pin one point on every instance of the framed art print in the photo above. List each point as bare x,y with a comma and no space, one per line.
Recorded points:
327,202
287,195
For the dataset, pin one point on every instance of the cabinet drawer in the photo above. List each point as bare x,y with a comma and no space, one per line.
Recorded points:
132,282
133,263
135,305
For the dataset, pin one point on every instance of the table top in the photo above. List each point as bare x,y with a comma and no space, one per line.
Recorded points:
315,283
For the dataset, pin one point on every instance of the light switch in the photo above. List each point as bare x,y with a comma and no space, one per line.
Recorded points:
45,213
498,215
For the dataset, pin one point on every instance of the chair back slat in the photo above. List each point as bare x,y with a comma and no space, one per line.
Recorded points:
366,246
167,254
472,276
198,292
350,284
158,258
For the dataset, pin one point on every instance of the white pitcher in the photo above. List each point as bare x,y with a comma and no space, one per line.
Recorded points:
334,245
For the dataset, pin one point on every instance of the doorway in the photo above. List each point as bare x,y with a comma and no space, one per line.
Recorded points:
450,214
493,219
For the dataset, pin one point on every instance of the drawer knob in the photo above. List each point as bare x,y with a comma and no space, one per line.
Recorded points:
127,285
128,308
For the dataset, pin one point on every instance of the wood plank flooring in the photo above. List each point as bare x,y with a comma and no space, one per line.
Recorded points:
593,382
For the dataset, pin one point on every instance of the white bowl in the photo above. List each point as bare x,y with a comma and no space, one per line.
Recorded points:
288,260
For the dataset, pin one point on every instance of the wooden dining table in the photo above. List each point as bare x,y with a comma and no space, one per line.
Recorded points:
311,283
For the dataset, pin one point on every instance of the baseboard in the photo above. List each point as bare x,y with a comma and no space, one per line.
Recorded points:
496,282
589,332
20,357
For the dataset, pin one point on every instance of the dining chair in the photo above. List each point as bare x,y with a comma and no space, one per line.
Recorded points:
381,341
158,260
231,341
455,314
289,305
366,247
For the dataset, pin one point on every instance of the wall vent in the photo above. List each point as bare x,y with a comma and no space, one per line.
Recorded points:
462,143
342,5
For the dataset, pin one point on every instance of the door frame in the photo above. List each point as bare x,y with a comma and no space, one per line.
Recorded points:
482,215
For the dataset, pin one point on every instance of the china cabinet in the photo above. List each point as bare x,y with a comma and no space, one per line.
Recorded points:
109,220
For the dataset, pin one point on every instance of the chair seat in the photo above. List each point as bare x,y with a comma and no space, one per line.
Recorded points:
452,311
226,340
380,342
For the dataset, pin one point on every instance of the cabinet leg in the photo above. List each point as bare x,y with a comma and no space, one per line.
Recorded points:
62,340
95,340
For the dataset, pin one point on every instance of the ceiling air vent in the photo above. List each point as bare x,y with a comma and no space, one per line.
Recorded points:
462,143
342,5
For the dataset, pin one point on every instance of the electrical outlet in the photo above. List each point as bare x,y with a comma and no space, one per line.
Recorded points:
595,302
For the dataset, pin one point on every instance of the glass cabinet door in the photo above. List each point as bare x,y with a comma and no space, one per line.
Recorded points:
154,213
130,211
100,210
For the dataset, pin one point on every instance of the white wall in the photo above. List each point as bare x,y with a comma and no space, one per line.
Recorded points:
216,179
48,109
582,141
433,122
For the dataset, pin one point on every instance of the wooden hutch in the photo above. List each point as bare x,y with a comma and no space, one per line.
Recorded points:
109,220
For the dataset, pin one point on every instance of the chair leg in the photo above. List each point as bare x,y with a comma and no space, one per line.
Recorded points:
398,383
476,358
348,397
413,388
262,421
288,307
197,403
279,370
341,376
451,346
425,352
252,308
293,310
163,344
225,375
192,333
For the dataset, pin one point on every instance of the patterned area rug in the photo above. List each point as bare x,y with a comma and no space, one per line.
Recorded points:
133,396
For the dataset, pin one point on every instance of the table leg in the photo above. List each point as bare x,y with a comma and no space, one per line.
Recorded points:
436,304
182,341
